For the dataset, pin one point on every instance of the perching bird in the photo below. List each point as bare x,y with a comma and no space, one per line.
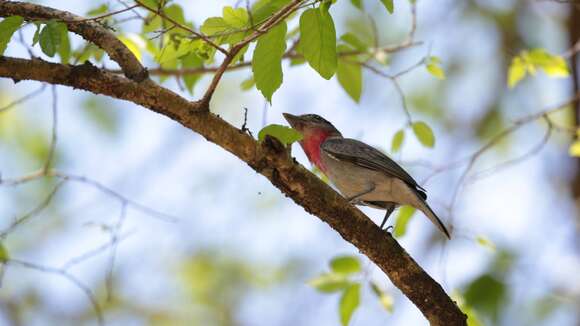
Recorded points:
363,174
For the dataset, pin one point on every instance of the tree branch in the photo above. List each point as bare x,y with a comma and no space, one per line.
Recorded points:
269,159
89,30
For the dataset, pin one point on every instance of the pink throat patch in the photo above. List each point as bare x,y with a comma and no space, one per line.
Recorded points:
311,145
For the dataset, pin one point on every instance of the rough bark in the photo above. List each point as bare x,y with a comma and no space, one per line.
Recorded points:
268,158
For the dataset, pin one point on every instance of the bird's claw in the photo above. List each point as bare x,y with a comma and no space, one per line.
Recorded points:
389,229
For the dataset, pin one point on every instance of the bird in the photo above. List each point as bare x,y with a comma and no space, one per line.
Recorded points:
363,174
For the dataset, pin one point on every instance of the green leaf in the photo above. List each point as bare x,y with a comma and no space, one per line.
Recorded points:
354,41
398,139
434,67
349,301
345,265
389,5
574,149
50,38
485,242
349,75
329,282
267,60
36,34
284,134
403,218
175,12
517,72
552,65
424,133
263,9
7,27
357,3
4,256
487,294
531,61
64,49
191,60
98,10
247,84
318,42
237,18
385,299
134,43
174,50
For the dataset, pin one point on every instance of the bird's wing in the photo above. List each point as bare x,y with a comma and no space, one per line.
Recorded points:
361,154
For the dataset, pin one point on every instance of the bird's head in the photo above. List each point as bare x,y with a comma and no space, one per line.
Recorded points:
315,130
311,124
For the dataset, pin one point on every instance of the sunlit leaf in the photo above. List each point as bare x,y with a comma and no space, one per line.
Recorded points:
349,302
385,298
191,60
284,134
485,242
318,42
398,140
345,265
574,149
403,218
329,282
472,316
424,133
517,72
236,17
134,43
267,60
433,65
7,27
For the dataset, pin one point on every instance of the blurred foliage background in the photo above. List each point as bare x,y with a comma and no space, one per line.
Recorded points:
239,253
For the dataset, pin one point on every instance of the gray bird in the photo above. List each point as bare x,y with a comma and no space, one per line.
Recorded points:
363,174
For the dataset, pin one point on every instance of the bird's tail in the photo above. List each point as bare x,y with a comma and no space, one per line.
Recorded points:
433,217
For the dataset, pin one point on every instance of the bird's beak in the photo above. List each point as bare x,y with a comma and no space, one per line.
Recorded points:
295,121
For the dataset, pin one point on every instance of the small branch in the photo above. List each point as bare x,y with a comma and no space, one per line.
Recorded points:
53,138
95,184
115,233
271,22
23,99
69,277
32,213
89,30
109,14
183,27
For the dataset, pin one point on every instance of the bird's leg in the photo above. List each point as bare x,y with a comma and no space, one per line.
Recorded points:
390,210
352,199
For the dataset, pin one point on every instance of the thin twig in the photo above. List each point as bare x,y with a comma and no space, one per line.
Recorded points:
115,232
183,27
33,212
54,130
68,276
93,183
23,99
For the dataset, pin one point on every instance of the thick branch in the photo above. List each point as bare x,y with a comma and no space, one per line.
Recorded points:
89,30
269,159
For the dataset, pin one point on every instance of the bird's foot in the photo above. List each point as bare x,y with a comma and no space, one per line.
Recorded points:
389,229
